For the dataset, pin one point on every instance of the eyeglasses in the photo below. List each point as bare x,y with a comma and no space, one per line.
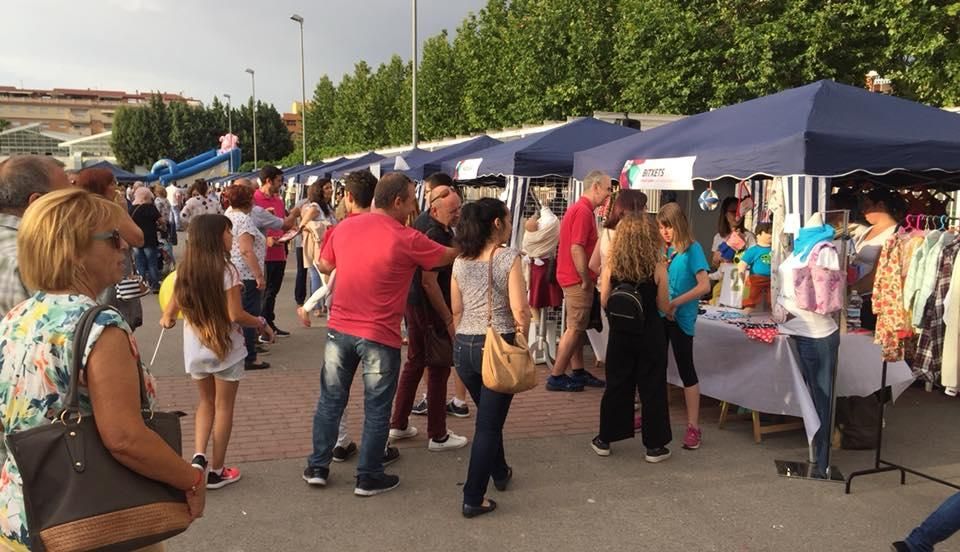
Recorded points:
113,236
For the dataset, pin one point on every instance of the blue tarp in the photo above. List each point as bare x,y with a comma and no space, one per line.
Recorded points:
433,161
120,174
410,157
821,129
544,153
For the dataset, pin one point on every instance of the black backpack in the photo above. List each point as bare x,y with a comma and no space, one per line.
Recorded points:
625,308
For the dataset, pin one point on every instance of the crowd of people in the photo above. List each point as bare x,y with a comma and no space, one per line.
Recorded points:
65,242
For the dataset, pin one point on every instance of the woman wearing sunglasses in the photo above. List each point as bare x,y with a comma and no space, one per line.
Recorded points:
69,268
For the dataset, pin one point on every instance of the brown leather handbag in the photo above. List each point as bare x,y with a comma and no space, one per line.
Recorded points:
505,367
77,496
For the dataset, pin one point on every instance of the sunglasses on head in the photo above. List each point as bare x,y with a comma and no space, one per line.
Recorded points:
113,237
440,195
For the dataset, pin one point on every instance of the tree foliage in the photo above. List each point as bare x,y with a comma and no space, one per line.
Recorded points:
178,131
4,124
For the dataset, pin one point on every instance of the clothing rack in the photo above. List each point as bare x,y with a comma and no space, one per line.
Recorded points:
882,466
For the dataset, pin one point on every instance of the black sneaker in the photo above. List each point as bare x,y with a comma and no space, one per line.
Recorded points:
563,383
256,365
587,379
316,476
280,333
391,455
899,546
199,461
372,486
458,411
657,455
599,446
420,408
341,454
226,477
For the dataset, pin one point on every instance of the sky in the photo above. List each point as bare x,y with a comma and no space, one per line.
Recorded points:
201,48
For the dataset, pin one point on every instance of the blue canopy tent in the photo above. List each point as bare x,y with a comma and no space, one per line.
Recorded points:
326,170
819,131
433,161
360,163
120,174
548,153
409,158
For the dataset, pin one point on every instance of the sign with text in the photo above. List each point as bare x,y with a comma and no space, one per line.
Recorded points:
467,169
668,173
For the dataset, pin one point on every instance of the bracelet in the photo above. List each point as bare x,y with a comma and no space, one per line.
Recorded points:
198,482
263,322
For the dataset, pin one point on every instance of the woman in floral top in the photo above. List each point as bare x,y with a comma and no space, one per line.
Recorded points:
69,269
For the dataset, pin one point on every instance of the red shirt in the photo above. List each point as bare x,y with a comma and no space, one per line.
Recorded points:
375,257
279,251
578,227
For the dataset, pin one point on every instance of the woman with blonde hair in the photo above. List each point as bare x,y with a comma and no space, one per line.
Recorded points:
69,268
688,283
633,287
207,291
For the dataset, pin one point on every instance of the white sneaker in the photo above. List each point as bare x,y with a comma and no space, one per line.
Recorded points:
453,442
399,434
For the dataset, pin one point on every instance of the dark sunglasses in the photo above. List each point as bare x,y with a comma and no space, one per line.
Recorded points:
113,236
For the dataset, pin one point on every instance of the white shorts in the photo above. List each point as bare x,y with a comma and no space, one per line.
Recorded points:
230,373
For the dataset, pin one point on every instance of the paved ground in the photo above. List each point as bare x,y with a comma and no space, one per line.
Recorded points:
723,497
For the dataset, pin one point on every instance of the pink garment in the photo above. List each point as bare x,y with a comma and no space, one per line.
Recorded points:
819,289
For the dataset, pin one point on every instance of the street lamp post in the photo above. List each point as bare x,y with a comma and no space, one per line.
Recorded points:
414,76
253,110
229,115
303,92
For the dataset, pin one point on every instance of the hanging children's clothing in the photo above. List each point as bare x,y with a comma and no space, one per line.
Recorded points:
928,362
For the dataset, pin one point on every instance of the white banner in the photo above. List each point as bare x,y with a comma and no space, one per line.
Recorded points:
668,173
467,169
375,169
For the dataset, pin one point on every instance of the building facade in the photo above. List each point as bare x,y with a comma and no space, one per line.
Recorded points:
69,111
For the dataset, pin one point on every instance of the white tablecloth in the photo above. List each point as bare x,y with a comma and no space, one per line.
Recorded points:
767,378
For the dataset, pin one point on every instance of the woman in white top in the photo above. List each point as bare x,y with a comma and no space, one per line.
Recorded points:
882,209
318,211
729,223
199,203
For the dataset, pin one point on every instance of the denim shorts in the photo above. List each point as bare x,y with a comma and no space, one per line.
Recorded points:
230,373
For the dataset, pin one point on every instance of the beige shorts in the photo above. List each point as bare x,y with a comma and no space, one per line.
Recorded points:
231,373
577,304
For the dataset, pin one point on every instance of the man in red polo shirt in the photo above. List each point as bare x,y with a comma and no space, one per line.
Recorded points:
578,238
268,197
375,256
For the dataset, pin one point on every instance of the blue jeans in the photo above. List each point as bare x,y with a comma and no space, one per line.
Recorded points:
315,281
381,366
147,259
938,527
818,362
486,454
250,298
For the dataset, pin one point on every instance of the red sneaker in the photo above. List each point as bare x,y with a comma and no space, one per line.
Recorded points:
693,438
229,475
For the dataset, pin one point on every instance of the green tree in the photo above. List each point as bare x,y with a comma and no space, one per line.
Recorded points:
319,116
5,124
438,90
390,95
354,123
130,137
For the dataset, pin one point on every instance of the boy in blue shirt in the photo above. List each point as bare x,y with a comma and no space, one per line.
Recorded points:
756,259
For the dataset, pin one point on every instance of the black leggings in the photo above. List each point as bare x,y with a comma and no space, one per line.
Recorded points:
682,352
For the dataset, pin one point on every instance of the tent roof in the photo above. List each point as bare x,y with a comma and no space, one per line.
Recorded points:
821,129
326,170
410,157
120,174
433,161
545,153
350,165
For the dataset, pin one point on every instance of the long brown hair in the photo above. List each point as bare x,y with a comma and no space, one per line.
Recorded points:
199,288
671,216
636,249
628,202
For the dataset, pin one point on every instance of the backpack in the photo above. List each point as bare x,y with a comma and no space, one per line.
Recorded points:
625,308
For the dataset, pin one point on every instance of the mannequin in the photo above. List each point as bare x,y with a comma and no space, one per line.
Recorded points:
816,336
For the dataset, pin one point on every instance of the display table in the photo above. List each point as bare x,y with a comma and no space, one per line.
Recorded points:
767,378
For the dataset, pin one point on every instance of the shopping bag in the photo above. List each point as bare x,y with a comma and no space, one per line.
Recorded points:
731,286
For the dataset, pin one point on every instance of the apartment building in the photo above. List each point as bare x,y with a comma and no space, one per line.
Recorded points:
71,111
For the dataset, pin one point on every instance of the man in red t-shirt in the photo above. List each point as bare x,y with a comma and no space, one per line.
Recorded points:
375,257
578,238
268,197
